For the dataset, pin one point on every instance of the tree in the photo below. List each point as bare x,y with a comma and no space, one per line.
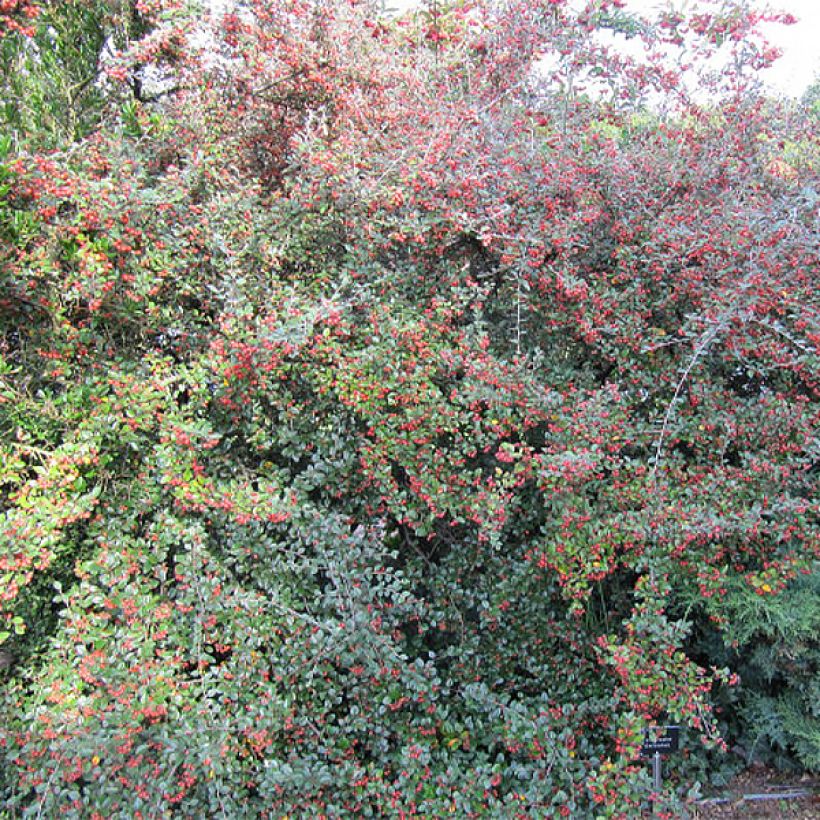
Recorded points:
399,411
55,57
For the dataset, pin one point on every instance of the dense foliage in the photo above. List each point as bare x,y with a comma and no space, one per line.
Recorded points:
400,416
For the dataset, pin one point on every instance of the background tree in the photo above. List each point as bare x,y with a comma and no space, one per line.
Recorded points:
53,68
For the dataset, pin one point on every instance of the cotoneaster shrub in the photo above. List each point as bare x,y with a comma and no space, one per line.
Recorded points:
392,429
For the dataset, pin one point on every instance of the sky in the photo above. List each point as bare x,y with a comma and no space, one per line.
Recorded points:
800,64
800,43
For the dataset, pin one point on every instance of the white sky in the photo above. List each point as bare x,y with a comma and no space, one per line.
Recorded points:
800,43
800,64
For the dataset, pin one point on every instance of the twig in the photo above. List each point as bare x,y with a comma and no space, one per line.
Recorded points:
699,351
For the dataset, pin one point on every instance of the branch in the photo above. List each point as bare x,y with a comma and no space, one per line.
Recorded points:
702,347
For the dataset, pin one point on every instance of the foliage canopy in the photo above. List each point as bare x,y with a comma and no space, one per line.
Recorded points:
400,416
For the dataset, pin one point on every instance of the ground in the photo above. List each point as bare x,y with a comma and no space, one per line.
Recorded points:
760,783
